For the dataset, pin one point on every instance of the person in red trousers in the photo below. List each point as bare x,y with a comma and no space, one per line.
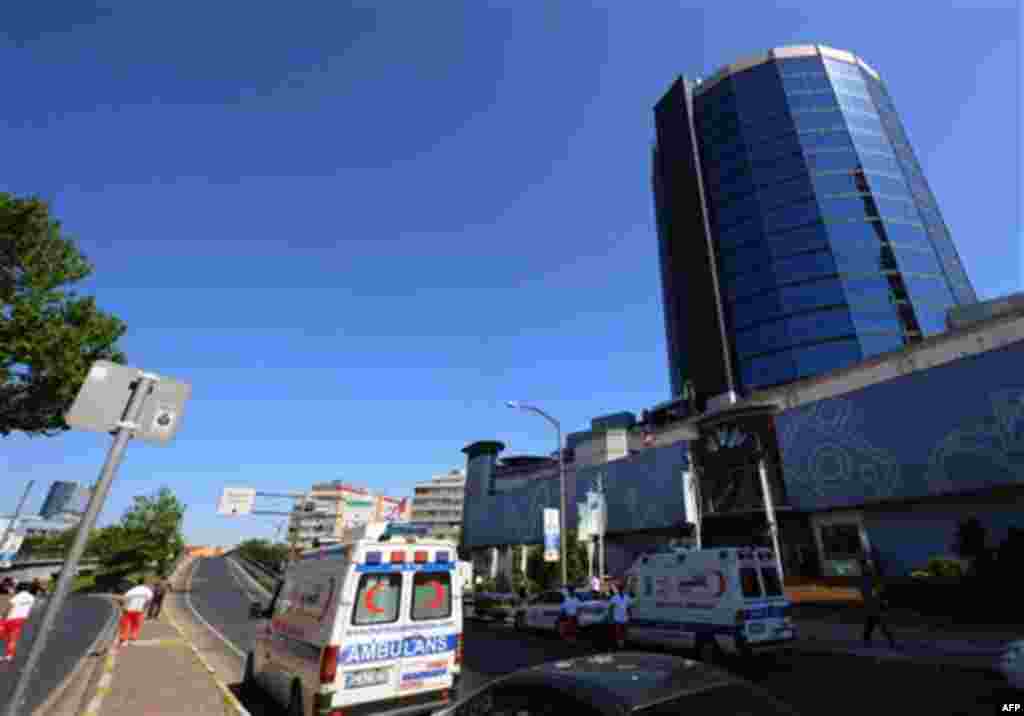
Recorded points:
17,614
134,603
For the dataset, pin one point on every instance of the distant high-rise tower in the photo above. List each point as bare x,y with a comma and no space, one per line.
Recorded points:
797,233
67,498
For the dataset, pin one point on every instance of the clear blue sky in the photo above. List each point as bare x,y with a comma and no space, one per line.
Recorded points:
357,231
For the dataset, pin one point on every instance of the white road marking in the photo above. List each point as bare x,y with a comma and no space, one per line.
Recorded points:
188,601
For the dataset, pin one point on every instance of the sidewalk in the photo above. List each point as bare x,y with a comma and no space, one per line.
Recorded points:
161,673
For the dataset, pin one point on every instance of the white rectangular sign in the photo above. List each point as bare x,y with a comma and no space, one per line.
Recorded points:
552,532
9,550
236,501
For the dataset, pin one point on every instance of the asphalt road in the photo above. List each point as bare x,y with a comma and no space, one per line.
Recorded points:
77,626
837,685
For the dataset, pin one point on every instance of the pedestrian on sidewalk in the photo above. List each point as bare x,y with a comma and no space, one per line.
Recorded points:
619,617
134,603
595,584
18,611
874,605
568,624
160,590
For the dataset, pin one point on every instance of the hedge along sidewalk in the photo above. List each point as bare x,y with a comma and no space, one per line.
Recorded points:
161,673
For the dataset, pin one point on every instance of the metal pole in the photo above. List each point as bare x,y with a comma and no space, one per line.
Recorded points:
601,516
17,514
769,508
67,573
562,520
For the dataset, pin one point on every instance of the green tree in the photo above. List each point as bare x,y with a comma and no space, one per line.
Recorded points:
49,336
148,538
263,551
547,575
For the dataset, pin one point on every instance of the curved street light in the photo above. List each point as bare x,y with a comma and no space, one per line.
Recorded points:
517,405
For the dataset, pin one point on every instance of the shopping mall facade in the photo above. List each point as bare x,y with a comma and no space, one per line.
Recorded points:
880,458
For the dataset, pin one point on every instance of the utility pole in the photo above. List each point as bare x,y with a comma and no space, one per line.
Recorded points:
601,519
13,522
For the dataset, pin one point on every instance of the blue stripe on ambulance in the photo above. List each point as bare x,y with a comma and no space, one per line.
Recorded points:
409,647
407,567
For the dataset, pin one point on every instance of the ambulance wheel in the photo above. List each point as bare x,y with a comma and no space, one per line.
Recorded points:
709,652
295,703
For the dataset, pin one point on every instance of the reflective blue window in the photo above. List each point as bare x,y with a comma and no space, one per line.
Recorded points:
835,209
804,267
811,121
851,85
862,258
778,170
911,261
931,321
901,210
788,67
807,296
806,238
879,318
819,326
750,231
854,103
838,68
826,357
866,142
813,142
787,192
926,292
748,284
738,212
810,101
873,344
763,338
826,161
768,370
858,120
744,260
903,234
867,289
779,146
880,164
855,233
835,183
764,307
791,216
887,185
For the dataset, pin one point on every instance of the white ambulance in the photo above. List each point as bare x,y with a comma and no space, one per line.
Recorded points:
373,623
716,601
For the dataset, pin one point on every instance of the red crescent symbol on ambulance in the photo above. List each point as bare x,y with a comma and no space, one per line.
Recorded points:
438,596
368,599
722,584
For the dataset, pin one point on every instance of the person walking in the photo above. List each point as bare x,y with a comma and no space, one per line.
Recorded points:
595,584
619,609
134,603
160,590
874,605
568,622
18,611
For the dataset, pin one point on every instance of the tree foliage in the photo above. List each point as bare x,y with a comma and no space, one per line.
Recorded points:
148,538
546,575
264,552
49,336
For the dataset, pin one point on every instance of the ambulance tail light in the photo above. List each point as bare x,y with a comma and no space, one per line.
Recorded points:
329,665
458,649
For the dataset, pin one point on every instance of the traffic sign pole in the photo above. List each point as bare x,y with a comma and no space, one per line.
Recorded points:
67,573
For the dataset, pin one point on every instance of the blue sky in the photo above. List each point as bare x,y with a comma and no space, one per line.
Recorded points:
358,228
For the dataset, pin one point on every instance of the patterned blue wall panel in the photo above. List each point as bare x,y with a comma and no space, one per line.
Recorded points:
643,492
952,428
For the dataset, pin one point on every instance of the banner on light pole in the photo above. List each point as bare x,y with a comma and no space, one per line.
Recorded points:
552,541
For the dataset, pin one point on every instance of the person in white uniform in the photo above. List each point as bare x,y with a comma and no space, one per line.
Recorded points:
134,603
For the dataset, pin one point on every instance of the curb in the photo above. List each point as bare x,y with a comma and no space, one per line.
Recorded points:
232,706
103,687
106,632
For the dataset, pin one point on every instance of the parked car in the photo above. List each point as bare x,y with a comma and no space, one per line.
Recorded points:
1011,664
616,685
543,610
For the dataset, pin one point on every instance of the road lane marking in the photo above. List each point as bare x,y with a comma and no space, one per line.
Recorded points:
103,687
188,601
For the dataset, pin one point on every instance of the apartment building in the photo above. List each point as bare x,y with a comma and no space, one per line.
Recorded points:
438,503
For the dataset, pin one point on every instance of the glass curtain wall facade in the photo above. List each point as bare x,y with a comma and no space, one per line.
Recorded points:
829,245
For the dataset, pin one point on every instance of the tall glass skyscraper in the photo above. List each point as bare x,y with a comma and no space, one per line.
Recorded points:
797,233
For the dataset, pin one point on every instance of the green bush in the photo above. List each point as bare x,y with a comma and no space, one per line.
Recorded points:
940,567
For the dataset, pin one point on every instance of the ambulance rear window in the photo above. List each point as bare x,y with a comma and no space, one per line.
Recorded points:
772,585
431,596
750,584
377,599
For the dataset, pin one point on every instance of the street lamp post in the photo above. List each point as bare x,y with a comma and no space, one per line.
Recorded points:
561,481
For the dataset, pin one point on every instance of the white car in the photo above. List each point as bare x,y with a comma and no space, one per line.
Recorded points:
1011,664
543,610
